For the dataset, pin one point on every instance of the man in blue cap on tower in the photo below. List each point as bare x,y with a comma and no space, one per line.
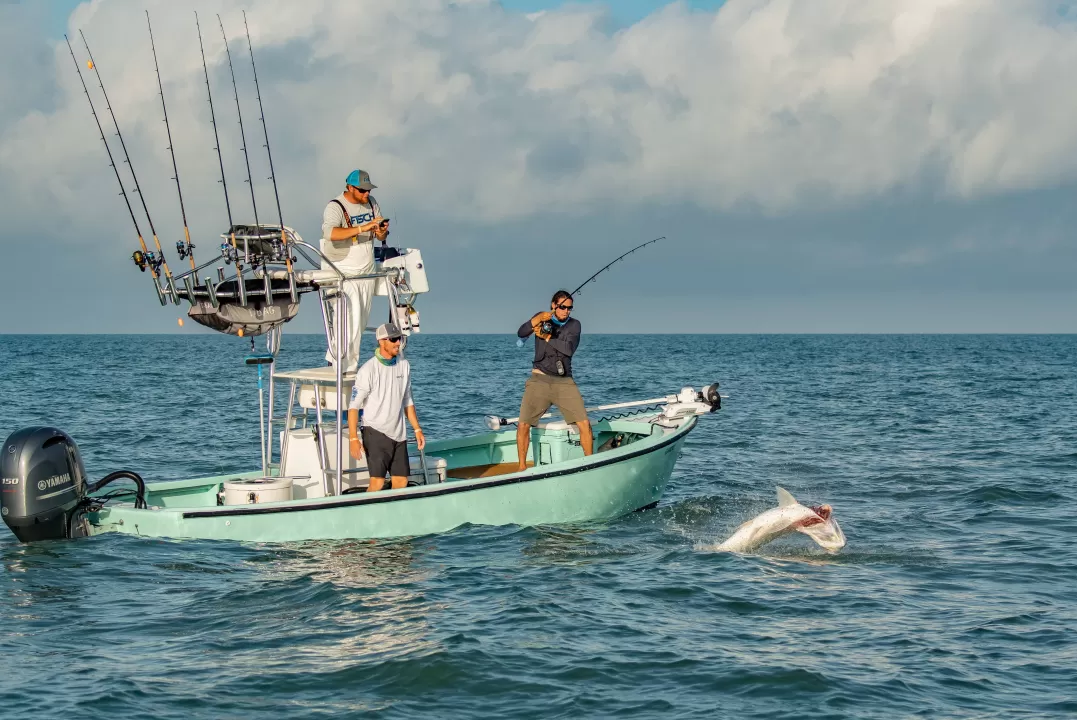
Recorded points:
350,223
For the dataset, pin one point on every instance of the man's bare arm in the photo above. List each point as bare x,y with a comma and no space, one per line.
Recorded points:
347,233
354,443
420,439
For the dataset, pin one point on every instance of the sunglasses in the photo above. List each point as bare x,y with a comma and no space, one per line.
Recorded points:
394,339
565,307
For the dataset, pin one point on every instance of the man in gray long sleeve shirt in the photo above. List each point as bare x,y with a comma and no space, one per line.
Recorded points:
551,380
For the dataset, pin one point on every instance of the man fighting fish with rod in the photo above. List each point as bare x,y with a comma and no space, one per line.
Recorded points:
556,338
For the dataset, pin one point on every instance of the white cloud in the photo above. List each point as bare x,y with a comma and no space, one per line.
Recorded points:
484,115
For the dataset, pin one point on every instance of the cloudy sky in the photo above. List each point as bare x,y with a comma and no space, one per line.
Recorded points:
816,165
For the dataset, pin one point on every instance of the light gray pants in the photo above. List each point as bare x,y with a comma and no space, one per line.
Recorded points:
358,296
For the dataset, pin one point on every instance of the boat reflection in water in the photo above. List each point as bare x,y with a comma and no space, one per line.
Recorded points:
370,603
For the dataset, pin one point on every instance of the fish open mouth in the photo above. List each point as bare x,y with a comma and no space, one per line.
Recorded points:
826,534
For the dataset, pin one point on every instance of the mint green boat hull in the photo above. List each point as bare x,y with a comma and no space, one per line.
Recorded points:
607,484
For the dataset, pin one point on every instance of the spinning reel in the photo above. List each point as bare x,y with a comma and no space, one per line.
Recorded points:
255,246
184,249
147,259
229,253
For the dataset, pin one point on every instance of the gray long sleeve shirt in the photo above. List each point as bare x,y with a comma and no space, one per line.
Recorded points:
561,346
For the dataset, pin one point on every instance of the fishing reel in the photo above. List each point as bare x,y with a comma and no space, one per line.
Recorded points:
546,326
229,253
184,249
147,259
279,253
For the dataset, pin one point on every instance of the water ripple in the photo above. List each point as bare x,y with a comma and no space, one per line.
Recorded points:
948,459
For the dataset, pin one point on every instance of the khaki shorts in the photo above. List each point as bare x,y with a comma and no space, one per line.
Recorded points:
541,391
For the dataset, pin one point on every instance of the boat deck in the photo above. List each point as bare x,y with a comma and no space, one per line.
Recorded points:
485,471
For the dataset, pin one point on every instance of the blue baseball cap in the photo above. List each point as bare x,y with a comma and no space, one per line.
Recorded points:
360,179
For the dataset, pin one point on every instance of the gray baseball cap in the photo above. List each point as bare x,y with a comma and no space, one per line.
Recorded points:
388,331
360,179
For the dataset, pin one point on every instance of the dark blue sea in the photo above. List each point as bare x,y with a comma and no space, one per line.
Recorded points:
950,462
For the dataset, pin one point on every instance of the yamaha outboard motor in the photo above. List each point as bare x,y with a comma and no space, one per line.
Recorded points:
42,483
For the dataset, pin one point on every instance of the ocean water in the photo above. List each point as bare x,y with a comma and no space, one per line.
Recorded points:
950,462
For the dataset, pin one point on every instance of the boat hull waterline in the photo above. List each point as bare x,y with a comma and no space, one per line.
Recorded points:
603,486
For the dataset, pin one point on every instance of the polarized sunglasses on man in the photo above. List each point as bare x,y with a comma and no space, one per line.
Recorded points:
565,307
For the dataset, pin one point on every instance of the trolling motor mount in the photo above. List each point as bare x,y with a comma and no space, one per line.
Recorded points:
710,396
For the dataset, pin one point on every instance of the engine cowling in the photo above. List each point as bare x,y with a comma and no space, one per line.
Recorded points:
710,395
42,483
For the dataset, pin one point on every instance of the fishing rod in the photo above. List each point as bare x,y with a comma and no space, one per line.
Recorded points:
547,325
140,260
272,174
185,249
159,257
240,286
239,112
620,257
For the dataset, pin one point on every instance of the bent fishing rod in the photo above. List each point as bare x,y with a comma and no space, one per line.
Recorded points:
141,261
547,326
184,248
618,258
272,175
240,285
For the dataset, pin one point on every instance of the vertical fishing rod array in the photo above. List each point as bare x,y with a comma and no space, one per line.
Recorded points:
142,257
269,246
159,255
242,133
272,174
229,250
249,246
184,248
144,260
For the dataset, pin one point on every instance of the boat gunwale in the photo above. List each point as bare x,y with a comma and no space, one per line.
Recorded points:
428,491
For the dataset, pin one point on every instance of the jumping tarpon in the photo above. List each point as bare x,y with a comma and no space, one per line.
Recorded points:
818,523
